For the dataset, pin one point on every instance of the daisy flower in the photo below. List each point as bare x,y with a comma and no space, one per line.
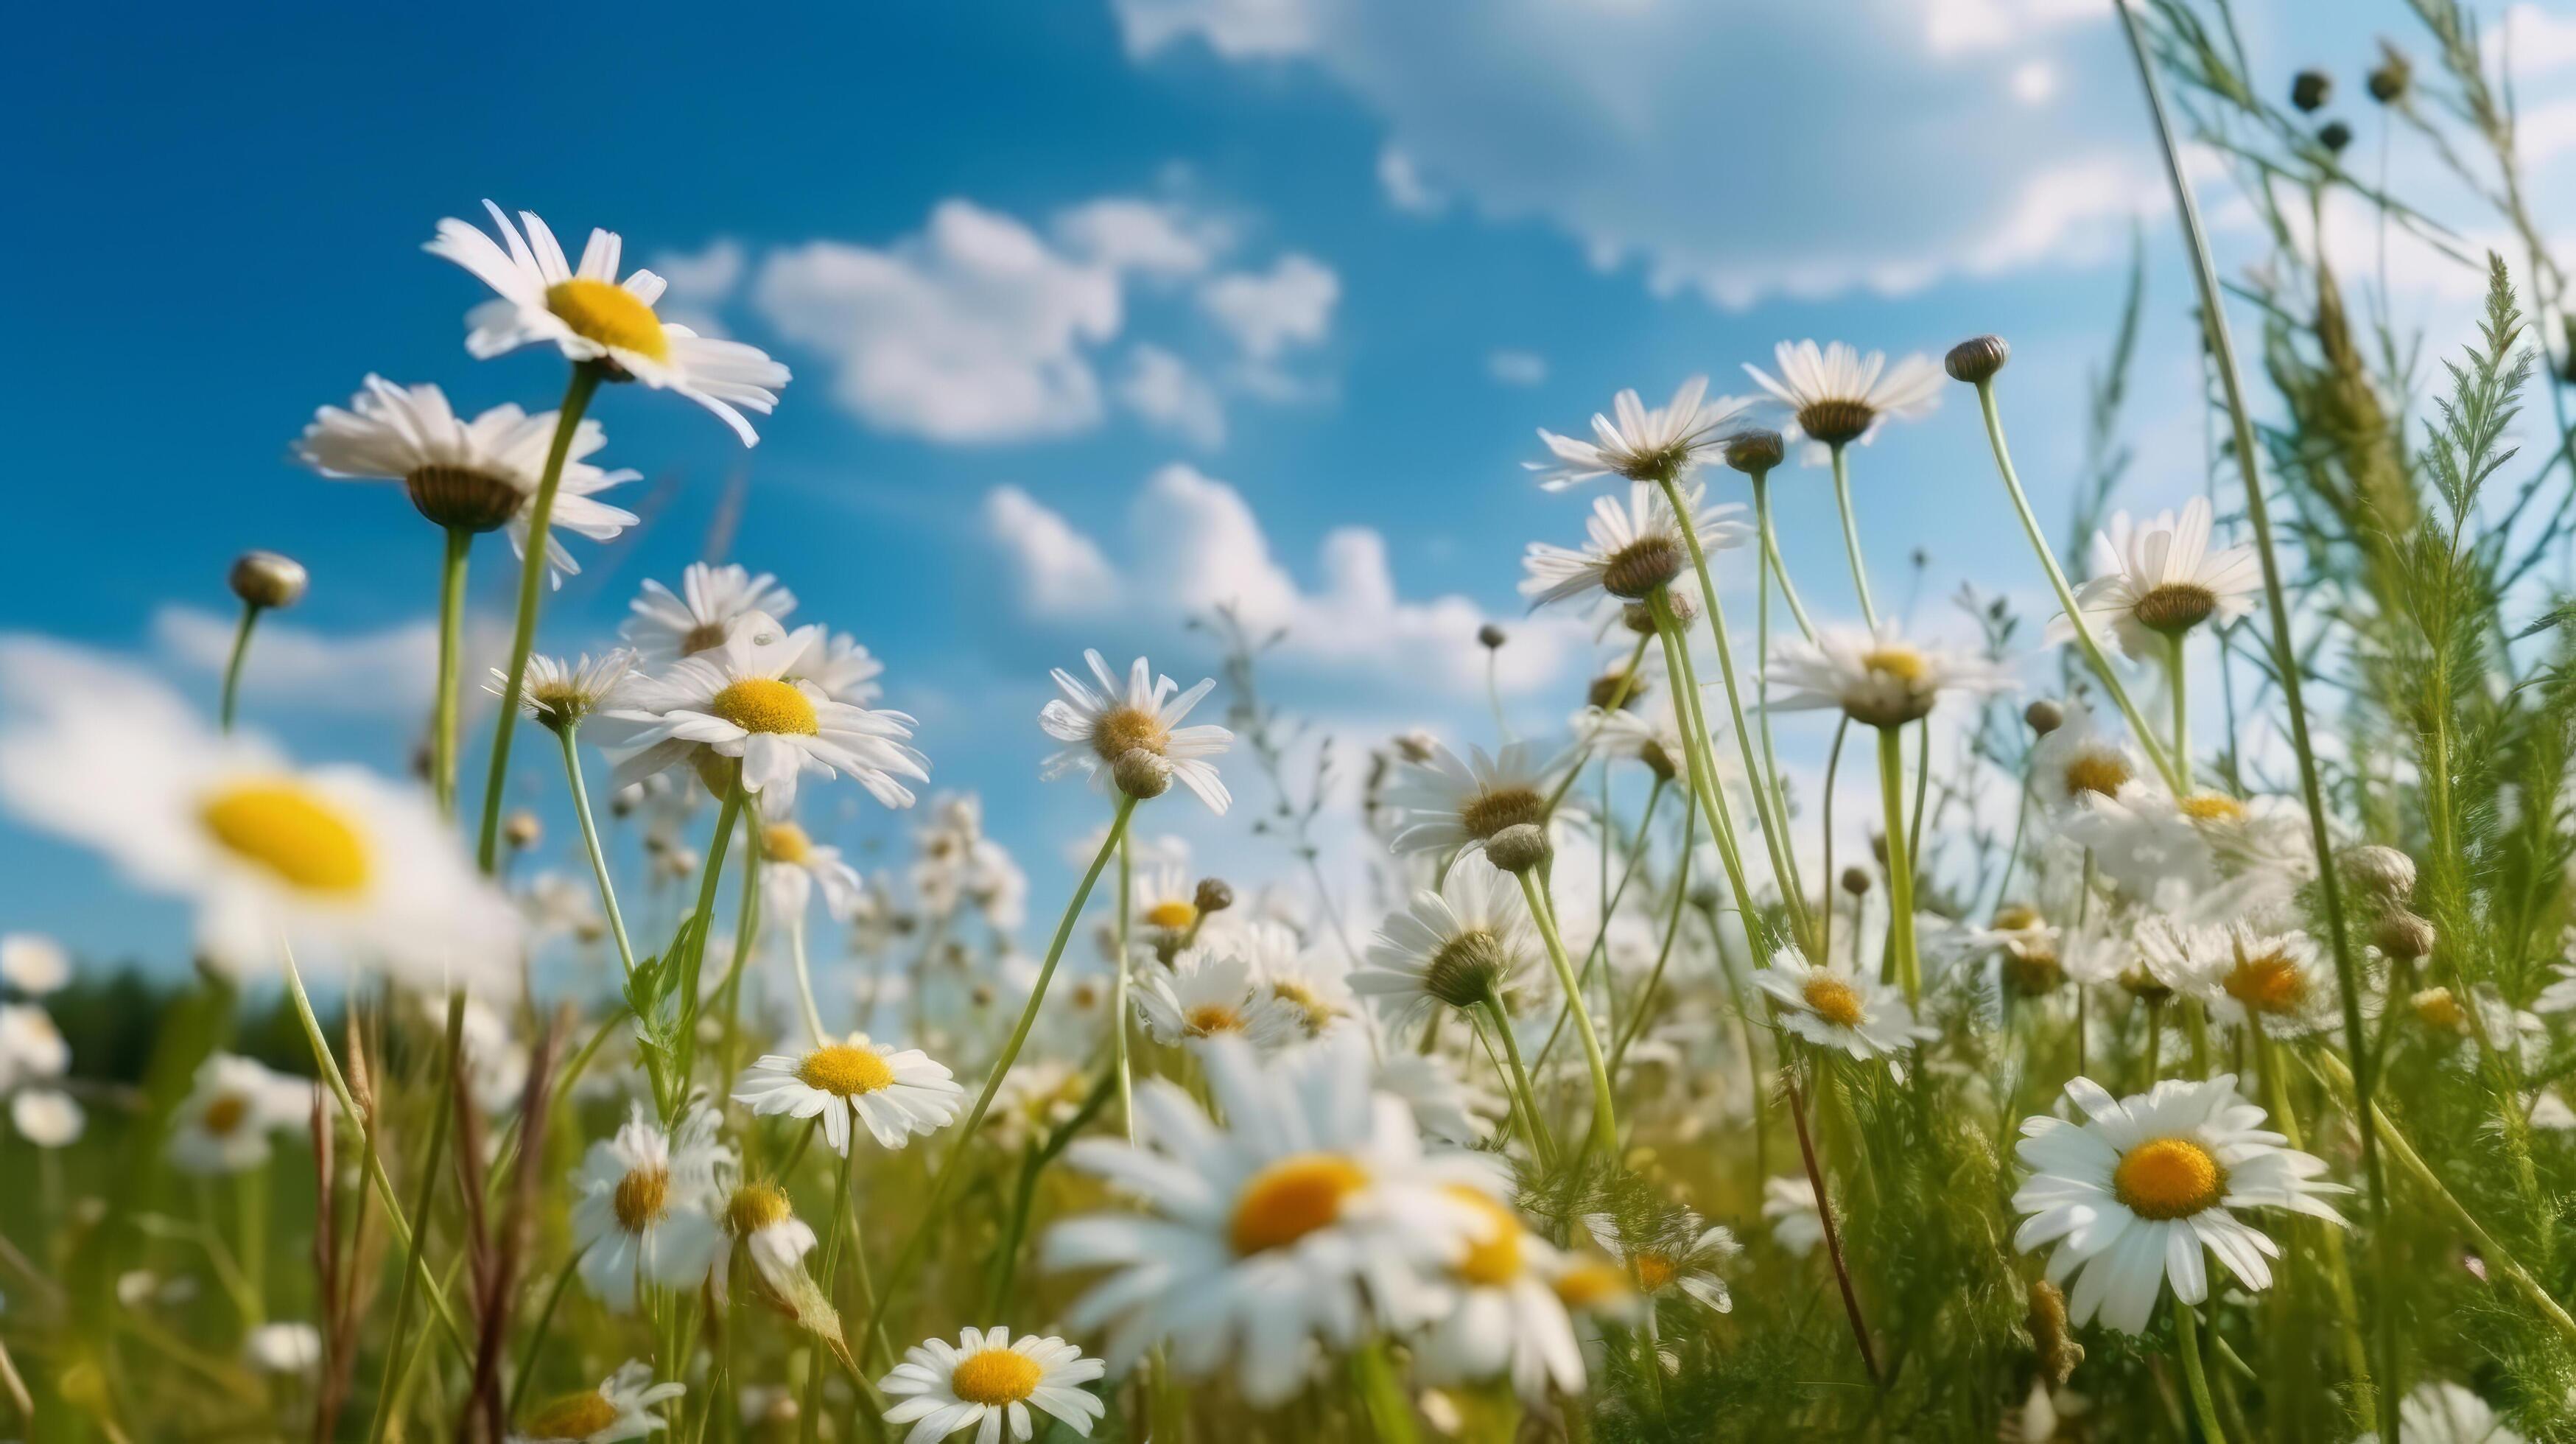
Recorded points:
1446,803
1641,445
1163,901
1309,1212
2438,1411
760,1218
474,475
1834,1007
47,1117
2153,583
646,1212
1507,1318
335,863
2149,846
2079,760
1789,1207
2132,1196
896,1094
1683,1257
987,1379
1458,947
735,702
664,627
286,1348
1632,550
557,694
1313,984
2280,980
793,865
224,1124
1112,721
1837,396
1878,678
33,964
31,1047
1211,992
622,1407
591,316
2028,946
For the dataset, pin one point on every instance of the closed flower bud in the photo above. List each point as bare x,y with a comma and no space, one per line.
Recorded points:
2382,871
1518,848
2394,76
1213,896
2334,135
2044,717
1856,881
2310,89
1754,452
1492,636
2403,935
269,579
522,829
1141,774
1977,359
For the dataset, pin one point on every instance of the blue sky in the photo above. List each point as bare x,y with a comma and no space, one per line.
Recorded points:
1334,259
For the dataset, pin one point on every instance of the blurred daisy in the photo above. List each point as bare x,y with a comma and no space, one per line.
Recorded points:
1446,1105
474,475
2438,1411
896,1094
1633,549
2132,1196
590,315
33,964
1650,735
1459,947
283,1348
2153,583
664,627
47,1117
987,1379
337,863
793,866
1878,678
2148,846
558,694
1447,803
1313,983
1507,1318
734,702
1834,1007
2243,975
622,1407
223,1125
31,1047
1683,1257
1789,1207
1837,396
1641,445
1107,723
837,663
1311,1210
1163,902
1209,992
2079,760
646,1211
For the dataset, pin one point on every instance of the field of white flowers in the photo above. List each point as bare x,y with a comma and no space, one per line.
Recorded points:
2216,1092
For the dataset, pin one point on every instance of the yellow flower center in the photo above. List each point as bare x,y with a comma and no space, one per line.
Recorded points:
1494,1250
844,1070
643,1196
1125,729
2439,1008
574,1416
2212,807
1491,812
755,1206
1590,1285
1654,1272
225,1114
2102,773
609,314
1172,915
1833,1000
995,1377
765,704
2017,917
1903,663
287,830
2168,1178
1291,1199
2266,982
1210,1018
786,842
1317,1013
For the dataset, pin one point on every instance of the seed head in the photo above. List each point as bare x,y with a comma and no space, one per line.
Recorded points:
269,579
1214,896
1518,848
1977,359
2044,717
2382,871
2311,89
1621,689
1755,452
1467,971
1141,774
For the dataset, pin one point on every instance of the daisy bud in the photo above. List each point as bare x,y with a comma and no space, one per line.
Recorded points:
522,830
1639,617
1141,774
269,579
1977,359
1856,881
2044,717
1755,452
1491,636
2310,89
2389,83
1518,848
2334,135
2383,871
2403,935
1213,896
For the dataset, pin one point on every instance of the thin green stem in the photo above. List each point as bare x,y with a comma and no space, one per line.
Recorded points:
1672,931
1900,865
1605,1118
451,645
233,664
1851,537
1119,1022
703,918
1697,762
536,1345
809,1420
598,858
1540,1142
805,979
2195,1380
414,1269
1595,956
2276,1094
1779,570
2181,712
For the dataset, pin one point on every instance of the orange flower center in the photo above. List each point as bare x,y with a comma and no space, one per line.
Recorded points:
2168,1178
765,704
844,1070
1291,1199
642,1197
995,1377
1833,1000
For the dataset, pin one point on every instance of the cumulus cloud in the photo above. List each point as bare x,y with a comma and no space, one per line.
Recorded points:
1516,368
1405,188
1291,304
1166,393
1196,544
1235,29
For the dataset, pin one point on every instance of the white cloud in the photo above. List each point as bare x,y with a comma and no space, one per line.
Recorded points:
1516,368
1162,388
1235,29
2034,83
388,673
2534,39
1405,188
1291,305
701,283
1158,238
1196,544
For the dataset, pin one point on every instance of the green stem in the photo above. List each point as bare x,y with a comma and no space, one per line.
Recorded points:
1851,537
810,1418
1605,1119
2181,713
233,665
598,858
1636,1024
1900,865
1540,1143
1700,766
2276,1093
703,918
1595,957
805,980
545,1324
746,936
1390,1413
532,588
1779,570
2187,1350
415,1267
1119,1022
451,632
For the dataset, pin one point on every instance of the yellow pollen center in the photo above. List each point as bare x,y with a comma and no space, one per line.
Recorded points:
2439,1008
786,842
225,1114
2104,773
2168,1178
1210,1018
2266,983
1318,1014
2016,917
753,1207
1590,1285
1494,1250
2212,807
610,315
1491,812
1903,663
1654,1271
995,1377
574,1416
1126,729
643,1196
841,1069
765,704
1833,1000
1172,915
1291,1199
290,832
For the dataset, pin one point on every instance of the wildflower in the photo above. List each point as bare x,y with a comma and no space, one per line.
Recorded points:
1834,1007
793,865
47,1117
1682,1257
1789,1206
31,1047
335,863
711,602
1837,396
1633,550
1143,716
646,1212
1211,992
1507,1318
1446,803
1878,678
591,316
622,1407
2132,1196
33,964
224,1124
2155,582
2076,760
2028,945
558,694
283,1348
987,1378
1458,947
2145,843
1641,445
473,476
896,1094
2279,980
1164,903
759,1217
735,703
1309,1211
2438,1411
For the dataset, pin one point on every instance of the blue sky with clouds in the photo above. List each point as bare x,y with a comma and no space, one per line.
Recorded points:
1102,311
